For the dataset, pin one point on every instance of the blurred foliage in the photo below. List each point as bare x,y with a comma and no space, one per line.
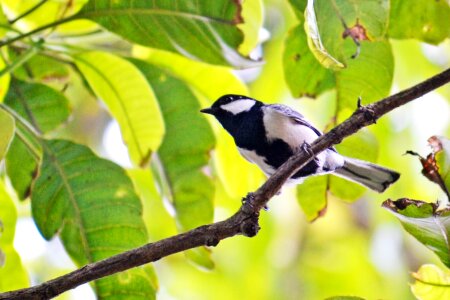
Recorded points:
72,70
12,272
7,134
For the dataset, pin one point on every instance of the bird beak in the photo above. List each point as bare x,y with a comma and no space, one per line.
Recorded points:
207,111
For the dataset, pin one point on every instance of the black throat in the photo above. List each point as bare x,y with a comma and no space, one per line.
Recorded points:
247,128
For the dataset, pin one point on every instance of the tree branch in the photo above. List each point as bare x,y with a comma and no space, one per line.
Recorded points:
245,221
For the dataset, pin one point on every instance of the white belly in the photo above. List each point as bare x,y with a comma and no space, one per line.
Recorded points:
252,157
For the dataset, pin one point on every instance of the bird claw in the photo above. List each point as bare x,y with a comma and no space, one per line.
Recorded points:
247,203
307,148
250,197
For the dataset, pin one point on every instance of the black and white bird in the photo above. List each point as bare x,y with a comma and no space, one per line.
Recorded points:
268,134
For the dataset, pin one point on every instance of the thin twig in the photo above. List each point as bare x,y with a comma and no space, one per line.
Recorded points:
23,58
39,29
27,12
245,221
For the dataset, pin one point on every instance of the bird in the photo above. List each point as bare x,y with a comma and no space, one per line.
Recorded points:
269,134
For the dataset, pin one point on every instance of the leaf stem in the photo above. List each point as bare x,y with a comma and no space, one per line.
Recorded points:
29,53
416,277
39,29
33,139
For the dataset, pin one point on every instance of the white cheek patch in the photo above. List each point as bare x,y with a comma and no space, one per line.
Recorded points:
238,106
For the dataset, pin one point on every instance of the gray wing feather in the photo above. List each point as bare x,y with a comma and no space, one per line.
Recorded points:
294,115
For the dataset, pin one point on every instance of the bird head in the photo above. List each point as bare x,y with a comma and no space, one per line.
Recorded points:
230,105
229,110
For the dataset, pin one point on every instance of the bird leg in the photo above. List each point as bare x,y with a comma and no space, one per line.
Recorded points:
307,148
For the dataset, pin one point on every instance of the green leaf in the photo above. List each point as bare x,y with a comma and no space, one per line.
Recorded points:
369,76
129,99
314,39
426,20
6,133
428,225
43,69
12,273
299,7
304,75
325,29
431,283
199,30
21,167
44,108
183,155
93,205
312,196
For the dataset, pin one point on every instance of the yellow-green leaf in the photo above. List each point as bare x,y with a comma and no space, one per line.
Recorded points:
432,283
4,81
129,98
12,273
45,13
253,15
6,132
312,196
196,74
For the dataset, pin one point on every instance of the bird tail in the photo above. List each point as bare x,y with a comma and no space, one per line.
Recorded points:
367,174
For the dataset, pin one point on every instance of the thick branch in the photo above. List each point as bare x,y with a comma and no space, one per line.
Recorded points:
245,221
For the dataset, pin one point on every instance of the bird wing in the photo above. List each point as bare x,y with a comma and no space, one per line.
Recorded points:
295,116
